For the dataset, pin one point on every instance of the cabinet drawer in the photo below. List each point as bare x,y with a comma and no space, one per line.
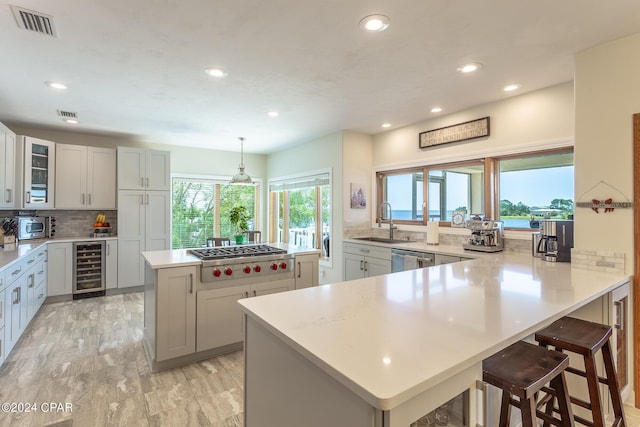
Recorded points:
368,250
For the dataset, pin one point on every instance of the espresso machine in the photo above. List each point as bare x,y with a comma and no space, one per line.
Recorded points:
486,235
555,240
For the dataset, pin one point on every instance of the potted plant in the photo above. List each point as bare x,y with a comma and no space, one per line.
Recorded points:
239,216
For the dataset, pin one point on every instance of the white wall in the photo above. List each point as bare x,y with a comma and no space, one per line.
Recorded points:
319,154
607,95
533,119
357,154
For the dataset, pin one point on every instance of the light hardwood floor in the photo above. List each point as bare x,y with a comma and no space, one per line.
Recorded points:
88,353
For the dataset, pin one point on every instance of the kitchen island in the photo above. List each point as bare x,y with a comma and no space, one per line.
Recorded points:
385,350
190,309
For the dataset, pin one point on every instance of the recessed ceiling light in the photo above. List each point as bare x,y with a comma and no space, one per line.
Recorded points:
71,121
386,125
273,114
374,23
469,68
56,85
511,87
216,72
436,109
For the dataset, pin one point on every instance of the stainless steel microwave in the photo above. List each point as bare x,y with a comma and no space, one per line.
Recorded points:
34,227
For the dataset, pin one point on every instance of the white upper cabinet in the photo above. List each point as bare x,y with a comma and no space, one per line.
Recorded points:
140,169
8,171
85,177
37,174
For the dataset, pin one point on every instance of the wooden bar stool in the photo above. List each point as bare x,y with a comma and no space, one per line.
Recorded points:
587,338
523,370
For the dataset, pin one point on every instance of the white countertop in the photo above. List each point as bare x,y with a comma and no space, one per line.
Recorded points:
13,252
180,257
389,338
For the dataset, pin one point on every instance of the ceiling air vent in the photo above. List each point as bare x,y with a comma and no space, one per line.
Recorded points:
67,115
34,21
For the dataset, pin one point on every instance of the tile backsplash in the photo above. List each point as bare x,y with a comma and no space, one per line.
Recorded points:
75,223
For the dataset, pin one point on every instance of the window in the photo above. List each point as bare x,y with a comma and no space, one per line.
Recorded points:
535,187
451,187
200,209
528,187
300,211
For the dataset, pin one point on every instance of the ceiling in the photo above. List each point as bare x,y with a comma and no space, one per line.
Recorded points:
136,68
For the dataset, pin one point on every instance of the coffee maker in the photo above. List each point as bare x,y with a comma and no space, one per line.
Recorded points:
555,240
486,235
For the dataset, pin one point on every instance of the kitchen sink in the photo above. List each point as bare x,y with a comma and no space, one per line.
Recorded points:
382,240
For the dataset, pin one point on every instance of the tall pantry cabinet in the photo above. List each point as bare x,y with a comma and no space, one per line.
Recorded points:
144,209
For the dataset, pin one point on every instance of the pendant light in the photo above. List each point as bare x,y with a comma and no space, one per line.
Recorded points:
241,177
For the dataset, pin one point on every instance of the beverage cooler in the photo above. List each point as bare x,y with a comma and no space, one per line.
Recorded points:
89,269
454,413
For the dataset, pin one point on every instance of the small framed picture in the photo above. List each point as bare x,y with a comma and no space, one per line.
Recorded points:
358,196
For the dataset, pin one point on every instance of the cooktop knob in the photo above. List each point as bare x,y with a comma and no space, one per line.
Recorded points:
283,265
228,271
274,266
247,269
257,269
217,272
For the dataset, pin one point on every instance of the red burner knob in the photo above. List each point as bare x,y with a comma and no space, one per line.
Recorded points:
228,271
217,272
283,265
247,269
274,266
257,269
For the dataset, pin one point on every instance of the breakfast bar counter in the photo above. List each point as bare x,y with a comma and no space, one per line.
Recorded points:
381,351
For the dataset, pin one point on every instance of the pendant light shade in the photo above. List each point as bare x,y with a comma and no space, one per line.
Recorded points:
241,177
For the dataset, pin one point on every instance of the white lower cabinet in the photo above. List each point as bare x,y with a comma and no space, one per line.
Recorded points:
306,270
175,312
60,269
111,274
219,317
361,260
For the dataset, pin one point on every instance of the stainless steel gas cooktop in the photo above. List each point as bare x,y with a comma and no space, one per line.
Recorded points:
226,252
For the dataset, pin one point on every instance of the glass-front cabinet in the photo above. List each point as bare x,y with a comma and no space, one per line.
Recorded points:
39,173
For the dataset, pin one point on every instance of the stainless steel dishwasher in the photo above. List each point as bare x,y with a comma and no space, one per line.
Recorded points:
402,260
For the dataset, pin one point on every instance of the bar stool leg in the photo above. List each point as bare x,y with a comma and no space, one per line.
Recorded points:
528,409
594,391
505,409
612,381
559,384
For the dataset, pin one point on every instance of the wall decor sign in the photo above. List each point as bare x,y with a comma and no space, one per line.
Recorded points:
607,205
473,129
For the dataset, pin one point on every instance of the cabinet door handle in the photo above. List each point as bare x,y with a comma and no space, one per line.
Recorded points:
89,197
141,181
190,283
28,199
361,265
147,200
30,261
32,278
299,269
246,294
255,294
108,249
147,181
83,198
364,250
365,266
16,300
8,195
14,272
619,320
142,199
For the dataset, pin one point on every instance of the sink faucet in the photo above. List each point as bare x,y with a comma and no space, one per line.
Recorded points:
388,221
